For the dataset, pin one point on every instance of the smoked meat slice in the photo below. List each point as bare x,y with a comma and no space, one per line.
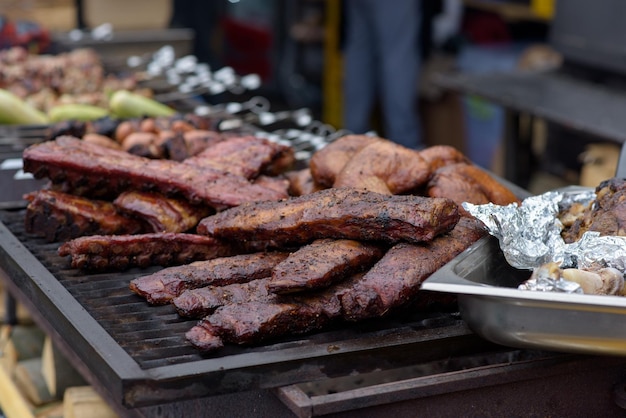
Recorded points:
343,213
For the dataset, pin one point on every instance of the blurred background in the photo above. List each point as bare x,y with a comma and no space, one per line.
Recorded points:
296,48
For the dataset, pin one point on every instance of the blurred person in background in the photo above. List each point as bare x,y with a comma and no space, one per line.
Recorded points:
381,65
203,17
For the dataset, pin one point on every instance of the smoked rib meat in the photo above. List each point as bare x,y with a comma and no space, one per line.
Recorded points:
120,252
342,213
322,263
163,214
161,287
202,301
397,277
58,216
78,164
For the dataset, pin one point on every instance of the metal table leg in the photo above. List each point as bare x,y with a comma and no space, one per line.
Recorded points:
10,305
518,154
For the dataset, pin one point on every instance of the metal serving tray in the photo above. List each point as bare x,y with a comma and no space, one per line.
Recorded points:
495,309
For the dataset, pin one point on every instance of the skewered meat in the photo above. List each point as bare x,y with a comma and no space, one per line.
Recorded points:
384,167
469,183
255,321
120,252
326,163
163,214
104,126
397,277
199,302
335,213
322,263
77,164
244,156
58,216
162,286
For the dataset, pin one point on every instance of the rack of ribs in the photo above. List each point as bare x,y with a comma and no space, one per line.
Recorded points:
58,216
163,286
163,214
397,277
257,320
321,263
196,303
120,252
253,317
245,156
85,166
343,213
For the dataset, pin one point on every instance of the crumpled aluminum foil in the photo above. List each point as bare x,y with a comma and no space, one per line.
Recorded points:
530,236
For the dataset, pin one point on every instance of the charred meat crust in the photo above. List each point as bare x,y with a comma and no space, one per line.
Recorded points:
343,213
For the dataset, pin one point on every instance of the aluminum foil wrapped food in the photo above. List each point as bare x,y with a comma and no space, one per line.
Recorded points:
530,238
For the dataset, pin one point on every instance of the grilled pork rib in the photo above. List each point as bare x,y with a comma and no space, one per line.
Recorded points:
391,283
163,214
120,252
335,213
254,321
245,156
322,263
196,303
161,287
58,216
81,165
397,277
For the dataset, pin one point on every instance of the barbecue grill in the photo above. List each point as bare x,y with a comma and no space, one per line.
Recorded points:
137,356
418,361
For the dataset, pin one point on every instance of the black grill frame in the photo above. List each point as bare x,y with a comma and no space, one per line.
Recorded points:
139,351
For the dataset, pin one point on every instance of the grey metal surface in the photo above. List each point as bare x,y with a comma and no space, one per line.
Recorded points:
575,103
494,308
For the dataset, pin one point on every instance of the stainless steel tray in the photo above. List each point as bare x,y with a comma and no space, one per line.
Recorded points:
495,309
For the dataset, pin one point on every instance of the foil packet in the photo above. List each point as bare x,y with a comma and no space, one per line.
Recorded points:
530,236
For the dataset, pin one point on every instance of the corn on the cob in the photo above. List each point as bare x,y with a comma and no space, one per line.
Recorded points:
15,111
126,104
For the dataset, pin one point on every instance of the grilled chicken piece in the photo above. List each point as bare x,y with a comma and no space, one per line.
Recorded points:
163,286
77,165
469,183
58,216
396,279
342,213
120,252
322,263
328,162
163,214
384,167
441,155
